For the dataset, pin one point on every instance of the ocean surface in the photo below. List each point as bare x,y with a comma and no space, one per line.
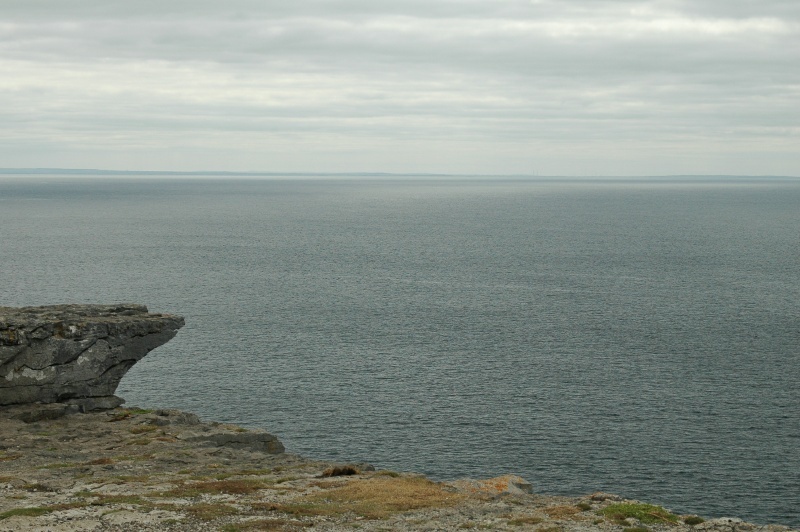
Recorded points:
637,336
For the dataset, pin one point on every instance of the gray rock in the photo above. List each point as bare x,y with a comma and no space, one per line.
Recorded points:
92,404
39,412
75,354
603,496
251,441
166,416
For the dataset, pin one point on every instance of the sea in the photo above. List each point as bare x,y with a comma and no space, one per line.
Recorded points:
639,336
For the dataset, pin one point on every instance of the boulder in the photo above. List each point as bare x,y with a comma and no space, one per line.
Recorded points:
75,354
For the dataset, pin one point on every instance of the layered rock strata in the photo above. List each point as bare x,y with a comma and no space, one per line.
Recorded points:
75,353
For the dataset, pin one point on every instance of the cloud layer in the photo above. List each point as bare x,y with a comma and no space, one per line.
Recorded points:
553,87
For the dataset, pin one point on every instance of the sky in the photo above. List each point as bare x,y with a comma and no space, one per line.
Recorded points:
545,87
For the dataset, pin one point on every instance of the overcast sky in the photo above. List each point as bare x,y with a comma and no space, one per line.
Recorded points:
568,87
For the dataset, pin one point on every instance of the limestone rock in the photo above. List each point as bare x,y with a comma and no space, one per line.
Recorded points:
603,496
169,416
493,487
75,353
45,412
252,441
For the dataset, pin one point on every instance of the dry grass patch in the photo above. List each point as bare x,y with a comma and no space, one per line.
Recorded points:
267,524
90,498
100,461
290,478
68,506
246,472
133,457
241,473
60,465
210,512
142,429
525,520
232,487
328,484
141,479
139,441
340,471
562,512
374,498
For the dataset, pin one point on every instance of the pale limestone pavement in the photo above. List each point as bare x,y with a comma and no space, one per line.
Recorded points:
132,469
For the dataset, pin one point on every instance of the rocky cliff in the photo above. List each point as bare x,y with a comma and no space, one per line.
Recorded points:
75,353
136,469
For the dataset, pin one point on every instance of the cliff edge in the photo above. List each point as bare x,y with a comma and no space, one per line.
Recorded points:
71,460
75,354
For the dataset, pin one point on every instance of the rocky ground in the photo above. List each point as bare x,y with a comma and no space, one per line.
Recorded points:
132,469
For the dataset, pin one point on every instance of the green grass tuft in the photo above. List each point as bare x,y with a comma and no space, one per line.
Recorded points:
27,512
646,513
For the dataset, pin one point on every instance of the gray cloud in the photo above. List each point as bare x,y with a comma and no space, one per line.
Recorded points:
587,86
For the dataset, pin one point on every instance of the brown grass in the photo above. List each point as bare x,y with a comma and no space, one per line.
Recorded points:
328,484
141,479
100,461
209,512
142,429
374,498
525,520
268,524
340,471
233,487
562,512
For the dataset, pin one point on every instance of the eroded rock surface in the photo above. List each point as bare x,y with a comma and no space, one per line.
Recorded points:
75,353
130,469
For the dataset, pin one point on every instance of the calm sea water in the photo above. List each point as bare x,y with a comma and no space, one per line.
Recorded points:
638,336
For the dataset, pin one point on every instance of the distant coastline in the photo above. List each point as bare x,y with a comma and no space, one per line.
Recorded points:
228,173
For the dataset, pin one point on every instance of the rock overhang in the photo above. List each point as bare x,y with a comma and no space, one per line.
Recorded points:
75,353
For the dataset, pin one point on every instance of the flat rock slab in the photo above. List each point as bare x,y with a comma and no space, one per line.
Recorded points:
75,353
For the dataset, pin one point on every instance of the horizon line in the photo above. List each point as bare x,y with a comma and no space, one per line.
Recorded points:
231,173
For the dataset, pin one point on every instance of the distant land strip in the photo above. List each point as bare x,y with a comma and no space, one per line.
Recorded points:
228,173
